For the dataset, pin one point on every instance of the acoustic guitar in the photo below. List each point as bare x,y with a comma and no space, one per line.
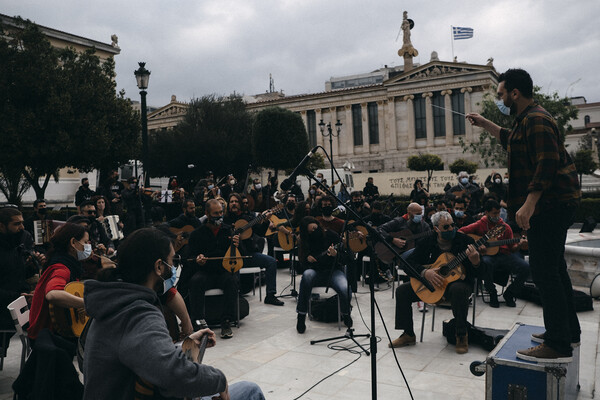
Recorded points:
69,322
277,222
183,236
493,246
244,228
355,243
386,255
450,268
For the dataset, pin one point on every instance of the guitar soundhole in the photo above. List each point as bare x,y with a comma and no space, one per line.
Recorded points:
444,270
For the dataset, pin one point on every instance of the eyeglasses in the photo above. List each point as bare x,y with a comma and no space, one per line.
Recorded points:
91,212
448,226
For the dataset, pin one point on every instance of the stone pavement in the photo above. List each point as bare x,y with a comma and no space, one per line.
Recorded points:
266,349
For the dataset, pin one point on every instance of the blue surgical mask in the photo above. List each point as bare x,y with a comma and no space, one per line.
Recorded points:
502,107
169,282
459,213
85,253
449,235
464,181
417,219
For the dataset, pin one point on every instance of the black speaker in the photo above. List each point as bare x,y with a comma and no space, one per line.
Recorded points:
589,224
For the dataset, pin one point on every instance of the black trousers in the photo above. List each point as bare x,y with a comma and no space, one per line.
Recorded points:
546,236
204,280
457,292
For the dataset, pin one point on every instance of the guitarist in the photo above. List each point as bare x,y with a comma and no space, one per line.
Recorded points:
235,213
70,245
187,217
212,239
412,222
428,250
506,259
128,336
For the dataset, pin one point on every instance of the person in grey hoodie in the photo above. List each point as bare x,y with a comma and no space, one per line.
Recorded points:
128,340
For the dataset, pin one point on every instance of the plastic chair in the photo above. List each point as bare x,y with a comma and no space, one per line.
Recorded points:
19,311
256,271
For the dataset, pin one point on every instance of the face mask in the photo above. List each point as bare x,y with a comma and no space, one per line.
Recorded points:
169,282
498,181
86,185
506,181
232,182
357,204
133,186
42,211
502,107
258,186
217,221
85,253
494,219
211,187
319,179
327,210
290,206
312,191
459,213
464,181
449,235
417,219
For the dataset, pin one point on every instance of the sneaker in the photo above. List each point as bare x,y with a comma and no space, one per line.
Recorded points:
389,276
544,354
462,344
301,323
404,340
347,320
421,306
226,332
540,337
494,300
509,299
271,299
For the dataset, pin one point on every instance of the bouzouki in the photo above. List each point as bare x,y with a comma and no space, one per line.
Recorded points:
386,255
69,322
450,268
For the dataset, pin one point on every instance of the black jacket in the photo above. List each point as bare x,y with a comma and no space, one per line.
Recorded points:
252,244
203,241
319,252
183,220
83,194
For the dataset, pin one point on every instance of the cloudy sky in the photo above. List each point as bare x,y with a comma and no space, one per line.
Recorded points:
197,47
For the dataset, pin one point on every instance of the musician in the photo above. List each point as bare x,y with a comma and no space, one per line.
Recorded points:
259,194
328,221
412,222
370,191
447,240
465,187
98,237
319,266
128,336
377,216
39,214
112,191
212,239
359,204
251,245
70,245
419,194
84,193
506,260
102,211
229,186
459,213
15,246
187,217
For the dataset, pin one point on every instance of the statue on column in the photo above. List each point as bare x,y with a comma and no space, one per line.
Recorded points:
407,51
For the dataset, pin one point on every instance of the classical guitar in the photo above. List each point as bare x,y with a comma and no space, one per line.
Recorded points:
183,236
450,268
386,255
493,246
244,228
69,322
277,222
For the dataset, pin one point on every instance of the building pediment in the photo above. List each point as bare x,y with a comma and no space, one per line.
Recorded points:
438,69
173,109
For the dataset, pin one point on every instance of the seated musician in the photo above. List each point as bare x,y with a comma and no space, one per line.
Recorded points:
234,213
98,236
39,214
377,217
128,337
328,221
447,240
505,260
70,244
320,266
411,223
212,239
187,217
464,187
459,213
358,203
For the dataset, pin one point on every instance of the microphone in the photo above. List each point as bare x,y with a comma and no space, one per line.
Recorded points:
289,182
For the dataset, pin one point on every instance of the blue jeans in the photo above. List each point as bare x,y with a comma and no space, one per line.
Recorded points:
270,265
312,278
243,390
511,263
546,236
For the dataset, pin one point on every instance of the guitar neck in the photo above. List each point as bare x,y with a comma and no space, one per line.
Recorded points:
503,242
462,256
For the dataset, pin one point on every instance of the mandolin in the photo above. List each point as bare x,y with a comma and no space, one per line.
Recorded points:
69,322
385,254
450,268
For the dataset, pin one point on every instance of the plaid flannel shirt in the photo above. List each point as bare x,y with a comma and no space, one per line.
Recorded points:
538,161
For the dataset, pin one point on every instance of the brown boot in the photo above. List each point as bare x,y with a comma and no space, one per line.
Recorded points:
404,340
462,344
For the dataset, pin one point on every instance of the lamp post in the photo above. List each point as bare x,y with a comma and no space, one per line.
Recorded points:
142,75
331,134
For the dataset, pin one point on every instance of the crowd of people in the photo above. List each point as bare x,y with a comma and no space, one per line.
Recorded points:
158,231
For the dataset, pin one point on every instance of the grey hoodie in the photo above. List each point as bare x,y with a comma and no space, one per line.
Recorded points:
128,337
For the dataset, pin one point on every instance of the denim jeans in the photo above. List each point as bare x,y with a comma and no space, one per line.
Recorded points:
243,390
546,236
270,265
312,278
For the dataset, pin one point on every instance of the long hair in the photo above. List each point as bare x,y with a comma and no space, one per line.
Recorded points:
106,204
60,241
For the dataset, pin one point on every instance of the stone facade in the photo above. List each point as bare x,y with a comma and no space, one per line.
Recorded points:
166,117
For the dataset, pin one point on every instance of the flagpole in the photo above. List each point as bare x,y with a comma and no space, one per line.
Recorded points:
452,41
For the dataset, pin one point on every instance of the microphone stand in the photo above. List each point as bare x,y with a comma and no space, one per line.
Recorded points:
293,291
376,237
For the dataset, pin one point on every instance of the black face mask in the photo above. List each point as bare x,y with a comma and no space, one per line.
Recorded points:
86,185
357,204
290,206
42,211
15,239
327,210
316,235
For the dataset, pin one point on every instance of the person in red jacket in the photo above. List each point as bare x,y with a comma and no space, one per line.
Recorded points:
505,260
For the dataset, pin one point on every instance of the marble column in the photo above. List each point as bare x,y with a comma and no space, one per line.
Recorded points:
448,115
348,130
468,127
365,127
410,117
429,118
390,131
381,132
319,117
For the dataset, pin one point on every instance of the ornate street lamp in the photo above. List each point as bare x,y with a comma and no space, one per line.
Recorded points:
142,75
331,135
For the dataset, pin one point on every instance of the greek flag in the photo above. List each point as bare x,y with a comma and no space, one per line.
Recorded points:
461,33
